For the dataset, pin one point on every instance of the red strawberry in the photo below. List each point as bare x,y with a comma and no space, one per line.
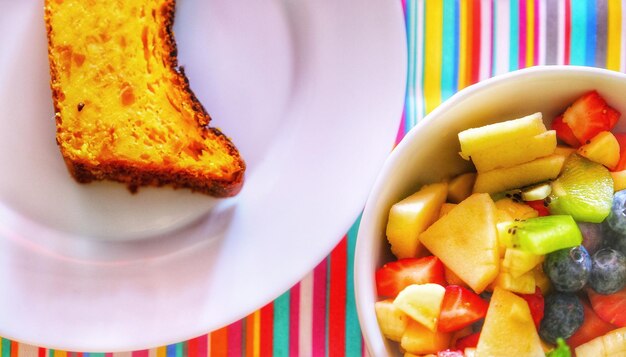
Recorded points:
535,304
564,133
610,308
621,164
589,115
467,341
395,276
539,207
592,327
460,307
450,353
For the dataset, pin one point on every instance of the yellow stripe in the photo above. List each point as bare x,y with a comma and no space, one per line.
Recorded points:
58,353
613,46
463,44
161,351
432,53
530,32
256,337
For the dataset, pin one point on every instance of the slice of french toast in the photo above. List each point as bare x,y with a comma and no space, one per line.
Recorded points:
123,107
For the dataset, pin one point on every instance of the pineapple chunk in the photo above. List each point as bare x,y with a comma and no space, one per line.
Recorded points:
518,262
509,329
445,208
611,344
516,210
422,302
391,319
564,151
515,152
466,241
619,180
411,216
523,284
477,139
461,187
539,170
419,340
603,149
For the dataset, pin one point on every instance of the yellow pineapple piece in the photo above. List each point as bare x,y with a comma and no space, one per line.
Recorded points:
477,139
466,241
500,180
611,344
391,319
619,180
445,208
523,284
516,210
518,262
564,151
419,340
460,187
509,329
422,302
411,216
603,149
515,152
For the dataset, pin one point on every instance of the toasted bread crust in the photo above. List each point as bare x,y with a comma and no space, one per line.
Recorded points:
133,174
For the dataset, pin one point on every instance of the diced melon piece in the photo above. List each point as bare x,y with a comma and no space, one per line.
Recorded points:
509,329
422,302
466,241
515,152
518,262
460,187
619,180
516,210
611,344
539,170
603,149
391,319
564,150
477,139
445,208
411,216
419,340
523,284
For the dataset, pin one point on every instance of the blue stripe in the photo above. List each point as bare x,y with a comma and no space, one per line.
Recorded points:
170,350
448,59
591,33
494,26
578,52
514,36
353,330
411,42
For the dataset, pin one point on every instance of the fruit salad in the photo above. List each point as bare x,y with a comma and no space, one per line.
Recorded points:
526,255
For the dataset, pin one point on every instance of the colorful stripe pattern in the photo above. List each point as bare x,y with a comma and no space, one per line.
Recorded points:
451,44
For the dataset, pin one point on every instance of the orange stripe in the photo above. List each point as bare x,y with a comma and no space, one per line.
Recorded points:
530,33
250,335
219,342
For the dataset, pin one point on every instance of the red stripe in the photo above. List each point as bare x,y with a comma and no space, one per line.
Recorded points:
521,53
41,352
568,31
267,330
337,301
192,347
475,33
235,332
14,348
203,343
142,353
319,309
294,316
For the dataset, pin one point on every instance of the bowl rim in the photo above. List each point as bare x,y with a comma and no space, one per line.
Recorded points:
364,280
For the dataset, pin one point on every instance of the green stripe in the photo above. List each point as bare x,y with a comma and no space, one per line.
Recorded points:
180,349
578,48
6,347
281,326
353,330
96,355
514,36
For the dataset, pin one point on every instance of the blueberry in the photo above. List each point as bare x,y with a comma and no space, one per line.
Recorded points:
608,271
614,226
568,269
563,315
592,236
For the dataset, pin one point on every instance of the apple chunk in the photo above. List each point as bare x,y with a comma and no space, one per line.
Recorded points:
411,216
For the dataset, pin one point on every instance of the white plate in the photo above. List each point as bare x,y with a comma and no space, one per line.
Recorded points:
310,92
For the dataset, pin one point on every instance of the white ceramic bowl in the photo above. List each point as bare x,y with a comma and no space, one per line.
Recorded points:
429,153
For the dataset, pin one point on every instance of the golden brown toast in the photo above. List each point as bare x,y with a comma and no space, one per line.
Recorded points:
123,108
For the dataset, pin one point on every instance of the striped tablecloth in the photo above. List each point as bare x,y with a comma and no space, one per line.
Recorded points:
452,44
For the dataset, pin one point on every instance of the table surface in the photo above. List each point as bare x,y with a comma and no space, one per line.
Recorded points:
452,44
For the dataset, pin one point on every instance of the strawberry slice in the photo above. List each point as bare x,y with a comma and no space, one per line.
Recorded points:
460,307
397,275
469,341
621,164
592,327
610,308
535,304
539,206
564,132
589,115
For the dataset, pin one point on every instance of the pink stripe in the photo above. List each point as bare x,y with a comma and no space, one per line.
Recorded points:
203,344
108,354
537,39
401,129
522,34
294,320
319,309
142,353
235,332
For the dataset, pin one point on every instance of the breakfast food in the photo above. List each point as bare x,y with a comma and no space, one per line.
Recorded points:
123,108
532,256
